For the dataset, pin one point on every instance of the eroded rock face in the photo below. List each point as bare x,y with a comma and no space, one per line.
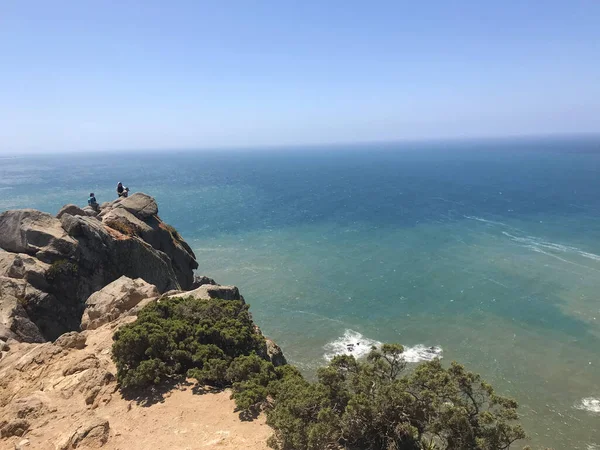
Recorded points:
275,354
13,316
60,262
114,299
35,233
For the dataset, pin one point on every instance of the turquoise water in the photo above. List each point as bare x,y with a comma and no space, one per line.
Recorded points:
485,252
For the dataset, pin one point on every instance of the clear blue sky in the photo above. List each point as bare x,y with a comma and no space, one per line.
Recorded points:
93,75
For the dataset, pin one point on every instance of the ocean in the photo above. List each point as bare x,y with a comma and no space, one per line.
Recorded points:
486,252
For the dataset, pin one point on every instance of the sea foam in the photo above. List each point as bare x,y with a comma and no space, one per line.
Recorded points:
355,344
590,404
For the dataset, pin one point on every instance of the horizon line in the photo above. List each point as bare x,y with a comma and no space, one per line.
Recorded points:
312,145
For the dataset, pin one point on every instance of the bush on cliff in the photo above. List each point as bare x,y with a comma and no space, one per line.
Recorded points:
373,404
61,268
187,337
370,405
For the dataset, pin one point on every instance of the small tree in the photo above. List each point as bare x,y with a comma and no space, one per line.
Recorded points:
370,405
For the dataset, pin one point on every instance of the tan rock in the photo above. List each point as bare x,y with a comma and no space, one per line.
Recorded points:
30,407
14,320
22,444
16,427
35,233
209,291
72,339
74,210
93,433
114,299
141,205
24,267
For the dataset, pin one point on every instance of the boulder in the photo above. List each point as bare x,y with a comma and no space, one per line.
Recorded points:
30,407
275,354
26,267
16,427
35,233
74,210
92,433
200,280
14,320
122,220
140,205
72,339
114,299
89,211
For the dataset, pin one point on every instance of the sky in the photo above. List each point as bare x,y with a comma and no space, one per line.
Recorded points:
116,75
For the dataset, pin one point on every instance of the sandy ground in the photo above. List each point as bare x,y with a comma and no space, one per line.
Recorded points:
60,380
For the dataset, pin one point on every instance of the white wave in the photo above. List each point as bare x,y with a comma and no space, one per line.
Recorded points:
481,219
420,353
590,404
537,245
355,344
351,343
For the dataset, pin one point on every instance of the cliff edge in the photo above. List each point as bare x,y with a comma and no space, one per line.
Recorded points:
51,265
67,283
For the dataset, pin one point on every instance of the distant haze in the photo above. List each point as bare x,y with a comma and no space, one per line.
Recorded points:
94,75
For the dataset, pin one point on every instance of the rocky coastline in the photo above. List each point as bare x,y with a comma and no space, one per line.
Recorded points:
67,282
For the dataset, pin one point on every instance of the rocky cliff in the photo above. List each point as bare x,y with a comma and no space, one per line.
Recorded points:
51,265
66,284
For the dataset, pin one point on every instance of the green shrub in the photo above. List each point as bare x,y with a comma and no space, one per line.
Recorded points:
373,404
60,268
186,337
370,405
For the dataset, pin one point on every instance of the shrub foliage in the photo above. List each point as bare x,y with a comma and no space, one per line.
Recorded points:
185,337
61,268
375,404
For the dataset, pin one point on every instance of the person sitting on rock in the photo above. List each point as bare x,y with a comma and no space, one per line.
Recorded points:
125,193
92,202
120,189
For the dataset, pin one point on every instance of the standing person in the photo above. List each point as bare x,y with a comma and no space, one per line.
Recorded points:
120,189
92,201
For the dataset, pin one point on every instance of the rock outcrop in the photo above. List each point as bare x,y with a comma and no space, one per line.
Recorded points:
92,271
115,299
35,233
53,264
208,291
74,210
